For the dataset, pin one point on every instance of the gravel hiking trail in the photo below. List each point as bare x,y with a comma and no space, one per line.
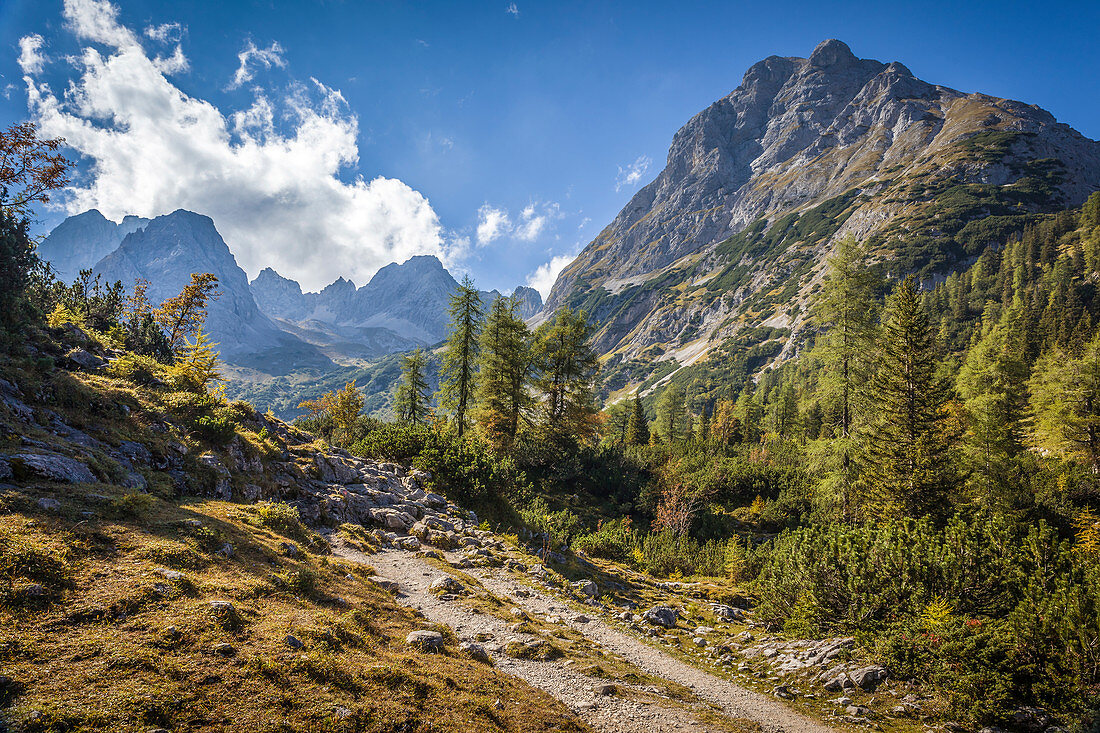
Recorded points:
643,713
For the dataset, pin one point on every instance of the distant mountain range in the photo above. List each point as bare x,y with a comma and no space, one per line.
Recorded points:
270,325
733,234
403,306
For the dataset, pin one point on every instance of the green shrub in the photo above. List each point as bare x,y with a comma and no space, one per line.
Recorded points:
666,553
614,540
143,370
465,470
996,614
215,429
133,504
280,517
558,526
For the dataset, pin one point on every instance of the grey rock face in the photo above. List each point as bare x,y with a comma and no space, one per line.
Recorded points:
81,241
167,250
661,616
426,641
53,467
529,299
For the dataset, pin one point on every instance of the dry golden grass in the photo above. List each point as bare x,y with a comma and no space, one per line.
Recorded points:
109,643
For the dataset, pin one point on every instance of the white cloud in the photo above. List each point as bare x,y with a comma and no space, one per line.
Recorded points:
512,10
165,33
492,223
544,276
97,20
531,224
31,58
269,175
533,221
174,64
251,57
633,173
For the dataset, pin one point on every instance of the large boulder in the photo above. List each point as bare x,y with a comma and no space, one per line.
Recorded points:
52,467
425,641
86,360
661,616
587,588
868,678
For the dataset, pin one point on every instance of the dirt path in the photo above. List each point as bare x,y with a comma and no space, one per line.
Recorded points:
736,701
610,713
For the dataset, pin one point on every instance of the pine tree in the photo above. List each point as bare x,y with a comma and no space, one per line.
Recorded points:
459,372
846,309
505,366
566,368
637,430
905,454
412,401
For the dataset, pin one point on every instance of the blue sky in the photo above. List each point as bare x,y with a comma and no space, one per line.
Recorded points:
501,136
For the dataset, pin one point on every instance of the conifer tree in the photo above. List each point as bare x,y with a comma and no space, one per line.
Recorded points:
991,383
458,385
411,401
566,368
196,367
846,309
747,411
704,425
1065,404
637,430
672,413
905,453
505,365
182,317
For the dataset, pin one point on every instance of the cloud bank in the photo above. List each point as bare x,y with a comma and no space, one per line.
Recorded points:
268,174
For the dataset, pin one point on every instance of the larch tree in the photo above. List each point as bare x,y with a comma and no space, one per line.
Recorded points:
412,403
182,317
566,368
504,370
672,413
1065,404
458,386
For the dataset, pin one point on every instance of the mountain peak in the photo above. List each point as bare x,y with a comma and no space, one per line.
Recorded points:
832,52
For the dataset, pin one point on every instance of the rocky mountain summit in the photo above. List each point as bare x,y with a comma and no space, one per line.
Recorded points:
167,250
403,306
81,241
758,186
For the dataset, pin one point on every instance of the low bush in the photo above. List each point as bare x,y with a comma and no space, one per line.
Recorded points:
614,540
995,613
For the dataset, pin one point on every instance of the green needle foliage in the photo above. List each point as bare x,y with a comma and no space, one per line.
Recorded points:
905,452
412,399
457,388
